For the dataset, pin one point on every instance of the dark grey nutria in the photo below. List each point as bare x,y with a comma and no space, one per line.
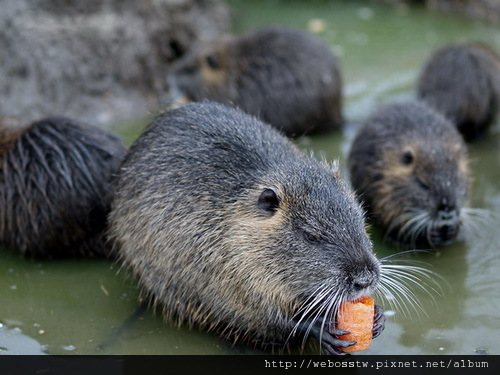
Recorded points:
288,78
410,167
55,180
462,81
229,227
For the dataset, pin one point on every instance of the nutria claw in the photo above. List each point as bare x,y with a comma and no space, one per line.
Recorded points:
378,321
330,343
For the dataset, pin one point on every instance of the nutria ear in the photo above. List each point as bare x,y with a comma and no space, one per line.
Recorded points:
268,201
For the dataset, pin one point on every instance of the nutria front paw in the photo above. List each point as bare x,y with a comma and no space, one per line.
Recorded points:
327,336
332,345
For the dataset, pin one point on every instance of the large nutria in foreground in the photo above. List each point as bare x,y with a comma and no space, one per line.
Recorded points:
462,81
229,227
288,78
55,180
409,165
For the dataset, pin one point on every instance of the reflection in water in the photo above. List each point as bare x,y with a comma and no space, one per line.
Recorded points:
70,307
13,341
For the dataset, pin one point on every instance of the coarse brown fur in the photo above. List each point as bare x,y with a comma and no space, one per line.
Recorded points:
55,177
288,78
409,166
228,226
462,81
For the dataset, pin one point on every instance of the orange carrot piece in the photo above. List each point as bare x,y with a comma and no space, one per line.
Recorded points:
357,318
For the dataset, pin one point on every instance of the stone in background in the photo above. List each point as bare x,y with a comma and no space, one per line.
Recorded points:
100,61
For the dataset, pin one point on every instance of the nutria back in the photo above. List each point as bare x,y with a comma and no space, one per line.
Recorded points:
462,81
288,78
228,226
409,166
55,177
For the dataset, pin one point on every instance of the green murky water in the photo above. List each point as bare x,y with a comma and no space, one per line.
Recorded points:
73,306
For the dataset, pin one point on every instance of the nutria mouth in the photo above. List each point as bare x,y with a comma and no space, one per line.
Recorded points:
327,333
444,234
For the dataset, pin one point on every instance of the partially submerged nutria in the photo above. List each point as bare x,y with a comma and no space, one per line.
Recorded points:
409,165
288,78
55,180
462,81
230,227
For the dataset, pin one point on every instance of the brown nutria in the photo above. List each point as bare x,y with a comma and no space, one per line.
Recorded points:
462,81
409,165
288,78
55,180
230,227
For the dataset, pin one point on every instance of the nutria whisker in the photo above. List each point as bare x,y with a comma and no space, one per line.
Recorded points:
398,280
332,308
317,306
416,221
308,305
473,219
401,296
332,301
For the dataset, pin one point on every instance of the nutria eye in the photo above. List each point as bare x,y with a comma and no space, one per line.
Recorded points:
311,238
268,201
212,62
407,158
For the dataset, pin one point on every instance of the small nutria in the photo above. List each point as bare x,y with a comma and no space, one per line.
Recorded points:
288,78
55,181
409,165
462,81
230,227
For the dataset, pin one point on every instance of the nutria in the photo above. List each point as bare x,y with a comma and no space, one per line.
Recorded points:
288,78
55,180
462,81
229,227
409,165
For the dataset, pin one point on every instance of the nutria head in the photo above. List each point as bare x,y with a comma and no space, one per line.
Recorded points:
410,167
304,242
288,78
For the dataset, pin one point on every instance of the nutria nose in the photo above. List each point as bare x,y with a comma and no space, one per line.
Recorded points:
364,281
447,214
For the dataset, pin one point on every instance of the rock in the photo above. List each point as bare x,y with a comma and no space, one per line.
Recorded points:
100,61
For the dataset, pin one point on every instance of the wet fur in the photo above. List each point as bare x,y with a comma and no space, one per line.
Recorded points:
55,187
462,81
185,220
395,193
288,78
